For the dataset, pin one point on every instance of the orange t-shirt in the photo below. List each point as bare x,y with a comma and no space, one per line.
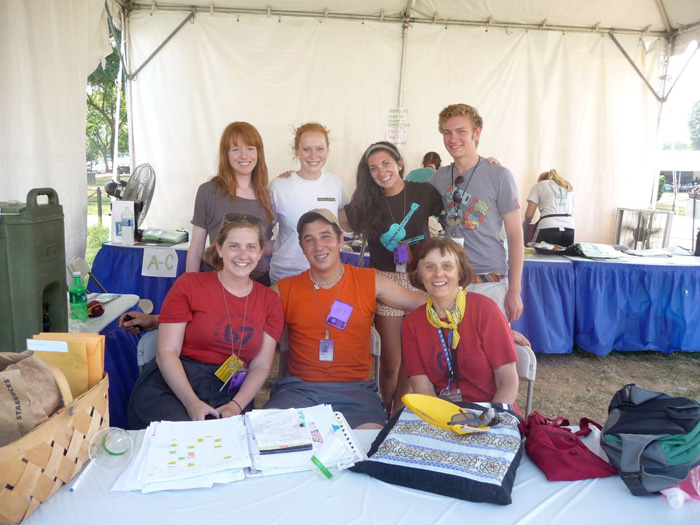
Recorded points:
306,326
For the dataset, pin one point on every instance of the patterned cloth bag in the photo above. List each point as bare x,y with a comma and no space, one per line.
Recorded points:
476,467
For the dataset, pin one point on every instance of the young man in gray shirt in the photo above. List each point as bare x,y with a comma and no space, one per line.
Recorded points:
480,198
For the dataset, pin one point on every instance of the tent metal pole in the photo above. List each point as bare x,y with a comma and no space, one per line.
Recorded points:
382,17
404,45
193,13
126,41
639,71
664,16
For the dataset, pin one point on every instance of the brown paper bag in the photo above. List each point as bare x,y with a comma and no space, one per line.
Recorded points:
28,394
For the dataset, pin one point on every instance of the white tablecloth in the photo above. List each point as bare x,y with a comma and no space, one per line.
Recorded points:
357,498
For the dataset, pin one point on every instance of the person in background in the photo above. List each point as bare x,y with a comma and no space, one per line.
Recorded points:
554,197
392,215
480,199
293,195
460,345
240,185
431,162
210,319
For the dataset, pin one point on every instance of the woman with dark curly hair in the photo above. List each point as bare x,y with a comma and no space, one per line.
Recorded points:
392,215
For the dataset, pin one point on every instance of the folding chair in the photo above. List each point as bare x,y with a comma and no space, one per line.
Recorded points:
527,370
147,348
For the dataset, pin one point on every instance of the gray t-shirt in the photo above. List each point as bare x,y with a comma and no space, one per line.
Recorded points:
484,197
210,208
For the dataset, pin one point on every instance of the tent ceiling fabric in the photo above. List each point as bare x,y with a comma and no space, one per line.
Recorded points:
645,16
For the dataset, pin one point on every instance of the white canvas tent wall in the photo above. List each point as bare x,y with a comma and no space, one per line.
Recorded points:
47,50
551,95
562,98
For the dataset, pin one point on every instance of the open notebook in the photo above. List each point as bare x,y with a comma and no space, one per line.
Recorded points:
193,454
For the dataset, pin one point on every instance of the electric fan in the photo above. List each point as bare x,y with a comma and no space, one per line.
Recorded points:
139,189
642,229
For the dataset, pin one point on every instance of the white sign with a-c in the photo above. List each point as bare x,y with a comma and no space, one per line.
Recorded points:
159,262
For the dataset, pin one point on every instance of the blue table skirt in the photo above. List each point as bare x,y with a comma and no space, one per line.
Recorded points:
122,367
548,306
118,268
631,307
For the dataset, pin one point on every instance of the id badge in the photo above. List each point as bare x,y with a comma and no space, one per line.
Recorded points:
339,315
453,394
402,254
237,380
458,240
325,350
231,366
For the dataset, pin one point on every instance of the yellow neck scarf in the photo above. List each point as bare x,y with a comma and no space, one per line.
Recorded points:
453,318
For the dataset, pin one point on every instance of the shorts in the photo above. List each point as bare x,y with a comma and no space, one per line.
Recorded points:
358,401
402,280
496,291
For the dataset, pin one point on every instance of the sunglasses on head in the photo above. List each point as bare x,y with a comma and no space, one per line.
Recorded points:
236,217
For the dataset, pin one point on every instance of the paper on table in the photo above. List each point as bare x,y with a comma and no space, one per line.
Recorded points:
279,429
180,450
94,348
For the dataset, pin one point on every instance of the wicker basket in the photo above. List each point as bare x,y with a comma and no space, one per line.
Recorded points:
38,464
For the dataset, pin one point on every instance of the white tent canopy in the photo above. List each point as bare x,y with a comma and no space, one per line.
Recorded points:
552,85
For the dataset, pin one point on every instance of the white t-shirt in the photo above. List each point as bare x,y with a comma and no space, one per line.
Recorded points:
552,198
292,198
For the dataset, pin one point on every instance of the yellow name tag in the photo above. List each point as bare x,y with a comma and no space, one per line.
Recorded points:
232,365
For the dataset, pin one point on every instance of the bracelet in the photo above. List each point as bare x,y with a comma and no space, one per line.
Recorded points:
238,405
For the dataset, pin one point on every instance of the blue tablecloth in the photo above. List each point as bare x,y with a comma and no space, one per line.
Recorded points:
548,304
118,268
650,305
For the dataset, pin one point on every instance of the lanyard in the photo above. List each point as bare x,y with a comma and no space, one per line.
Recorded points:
446,348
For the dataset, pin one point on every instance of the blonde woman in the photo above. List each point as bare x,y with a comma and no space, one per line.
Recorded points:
296,192
554,197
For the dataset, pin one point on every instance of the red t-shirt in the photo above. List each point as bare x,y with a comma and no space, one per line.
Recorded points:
485,343
198,300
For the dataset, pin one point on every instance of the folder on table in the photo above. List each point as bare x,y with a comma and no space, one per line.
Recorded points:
83,364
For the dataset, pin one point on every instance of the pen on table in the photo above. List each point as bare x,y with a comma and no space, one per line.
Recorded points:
74,486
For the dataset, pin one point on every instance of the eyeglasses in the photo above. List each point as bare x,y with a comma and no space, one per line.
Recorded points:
236,217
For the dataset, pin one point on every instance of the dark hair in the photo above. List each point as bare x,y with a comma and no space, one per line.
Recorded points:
225,179
367,199
211,255
431,158
445,245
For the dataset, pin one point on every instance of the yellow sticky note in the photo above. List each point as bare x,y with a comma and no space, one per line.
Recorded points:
94,350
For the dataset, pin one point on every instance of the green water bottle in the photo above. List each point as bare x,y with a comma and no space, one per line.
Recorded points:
78,299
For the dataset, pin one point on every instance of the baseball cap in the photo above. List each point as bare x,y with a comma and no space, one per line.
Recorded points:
318,213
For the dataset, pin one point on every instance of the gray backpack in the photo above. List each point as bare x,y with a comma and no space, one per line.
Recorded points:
653,439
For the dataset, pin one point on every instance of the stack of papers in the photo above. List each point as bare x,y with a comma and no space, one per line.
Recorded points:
196,454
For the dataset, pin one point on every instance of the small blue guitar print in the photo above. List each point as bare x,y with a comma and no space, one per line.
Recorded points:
392,238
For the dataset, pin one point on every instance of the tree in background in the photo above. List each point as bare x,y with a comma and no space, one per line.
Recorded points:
660,191
101,99
694,126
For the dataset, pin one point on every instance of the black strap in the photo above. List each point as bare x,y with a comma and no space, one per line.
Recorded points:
552,215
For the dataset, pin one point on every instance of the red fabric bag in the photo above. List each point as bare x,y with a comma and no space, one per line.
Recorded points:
559,452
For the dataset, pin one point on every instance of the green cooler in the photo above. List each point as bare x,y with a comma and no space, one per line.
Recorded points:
33,289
